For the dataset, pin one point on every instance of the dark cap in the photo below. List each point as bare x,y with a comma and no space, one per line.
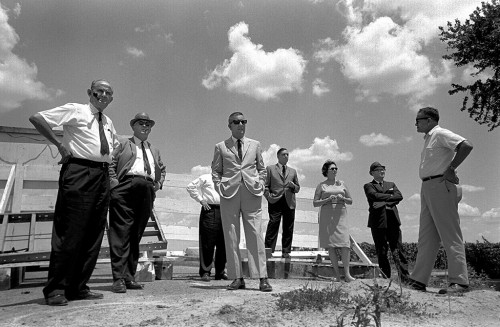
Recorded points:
375,165
142,116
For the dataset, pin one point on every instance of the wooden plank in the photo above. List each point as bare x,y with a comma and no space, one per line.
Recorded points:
3,204
42,172
8,189
31,243
359,252
18,187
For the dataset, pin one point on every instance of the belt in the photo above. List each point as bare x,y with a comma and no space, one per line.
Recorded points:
88,163
149,179
214,205
431,177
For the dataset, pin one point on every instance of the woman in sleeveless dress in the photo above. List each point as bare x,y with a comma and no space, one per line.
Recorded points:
332,196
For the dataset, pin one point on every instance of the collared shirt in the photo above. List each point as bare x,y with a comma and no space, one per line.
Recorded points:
202,188
439,149
138,166
81,130
235,140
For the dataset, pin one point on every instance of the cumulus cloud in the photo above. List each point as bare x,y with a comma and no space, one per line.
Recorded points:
254,72
493,213
134,52
309,158
471,189
18,79
469,211
319,87
200,170
384,46
375,140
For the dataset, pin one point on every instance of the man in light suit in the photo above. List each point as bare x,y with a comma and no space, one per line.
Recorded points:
136,173
281,185
239,174
383,219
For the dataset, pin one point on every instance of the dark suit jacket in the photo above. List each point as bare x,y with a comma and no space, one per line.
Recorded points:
381,200
275,184
123,158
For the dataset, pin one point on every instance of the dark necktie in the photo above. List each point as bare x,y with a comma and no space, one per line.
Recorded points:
147,168
284,171
102,136
239,150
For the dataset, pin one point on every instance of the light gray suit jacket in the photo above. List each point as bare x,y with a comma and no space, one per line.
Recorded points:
228,170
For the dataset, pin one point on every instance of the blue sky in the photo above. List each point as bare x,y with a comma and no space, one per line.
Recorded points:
334,80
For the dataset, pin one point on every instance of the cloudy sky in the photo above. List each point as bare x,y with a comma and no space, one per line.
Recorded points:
326,79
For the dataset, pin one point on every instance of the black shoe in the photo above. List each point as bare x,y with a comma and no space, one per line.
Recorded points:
238,283
133,285
454,288
285,255
205,277
265,286
222,276
86,295
56,300
118,286
415,285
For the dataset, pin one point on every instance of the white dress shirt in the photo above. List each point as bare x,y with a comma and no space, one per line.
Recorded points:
138,166
81,130
439,149
202,188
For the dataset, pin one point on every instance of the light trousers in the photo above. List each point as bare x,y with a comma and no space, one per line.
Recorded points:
440,223
249,207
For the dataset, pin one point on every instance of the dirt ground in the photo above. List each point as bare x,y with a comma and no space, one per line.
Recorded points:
186,301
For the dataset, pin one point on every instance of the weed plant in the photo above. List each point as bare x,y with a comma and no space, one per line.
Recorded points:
359,310
312,298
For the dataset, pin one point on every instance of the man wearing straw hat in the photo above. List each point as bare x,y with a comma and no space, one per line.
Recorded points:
136,173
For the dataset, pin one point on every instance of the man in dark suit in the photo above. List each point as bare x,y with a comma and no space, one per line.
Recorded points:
384,221
281,185
136,173
239,174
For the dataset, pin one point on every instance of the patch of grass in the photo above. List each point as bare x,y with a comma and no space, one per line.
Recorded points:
312,298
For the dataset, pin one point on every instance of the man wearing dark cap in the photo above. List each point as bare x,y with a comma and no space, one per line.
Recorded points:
383,219
136,173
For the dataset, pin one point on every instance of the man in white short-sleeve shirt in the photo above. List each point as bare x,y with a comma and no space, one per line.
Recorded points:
443,152
83,195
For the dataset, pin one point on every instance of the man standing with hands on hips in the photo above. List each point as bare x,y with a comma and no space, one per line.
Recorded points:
443,152
211,233
239,174
83,195
136,173
281,185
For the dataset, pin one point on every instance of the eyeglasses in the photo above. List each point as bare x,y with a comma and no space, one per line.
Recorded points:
237,122
421,118
333,168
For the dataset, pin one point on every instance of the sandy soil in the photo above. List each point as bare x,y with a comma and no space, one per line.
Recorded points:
189,302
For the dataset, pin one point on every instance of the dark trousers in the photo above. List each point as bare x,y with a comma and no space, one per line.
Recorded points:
390,238
276,211
79,221
131,204
211,237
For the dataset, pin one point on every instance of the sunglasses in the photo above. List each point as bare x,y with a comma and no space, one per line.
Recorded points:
237,122
144,123
422,118
333,168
